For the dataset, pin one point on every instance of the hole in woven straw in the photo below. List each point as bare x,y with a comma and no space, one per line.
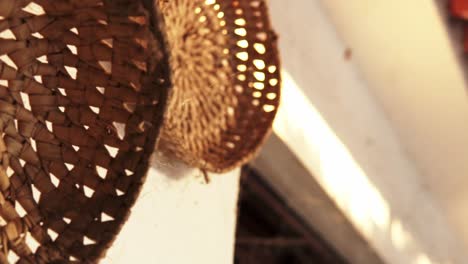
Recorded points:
106,218
255,102
259,64
32,243
88,191
260,76
140,20
36,193
7,34
72,71
257,94
242,67
25,99
130,107
55,181
49,126
66,220
95,109
220,15
38,78
241,77
240,32
230,111
262,36
230,145
86,127
88,241
108,42
120,127
128,172
12,257
10,172
72,258
62,91
101,89
119,192
34,9
259,85
112,150
269,108
52,234
101,171
271,96
240,22
210,2
106,66
37,35
62,109
243,43
202,19
21,161
76,148
216,7
6,59
273,82
102,22
43,59
272,69
73,49
74,30
69,166
20,210
4,83
260,48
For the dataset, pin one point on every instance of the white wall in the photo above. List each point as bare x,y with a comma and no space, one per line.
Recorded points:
180,219
385,132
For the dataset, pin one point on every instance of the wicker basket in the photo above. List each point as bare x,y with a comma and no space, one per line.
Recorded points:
226,78
85,90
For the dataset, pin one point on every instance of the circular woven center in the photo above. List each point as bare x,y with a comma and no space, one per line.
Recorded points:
226,81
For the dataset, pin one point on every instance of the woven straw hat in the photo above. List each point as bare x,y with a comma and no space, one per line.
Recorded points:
226,81
84,92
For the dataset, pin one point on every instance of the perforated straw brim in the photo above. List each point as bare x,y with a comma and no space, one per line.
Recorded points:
225,71
82,92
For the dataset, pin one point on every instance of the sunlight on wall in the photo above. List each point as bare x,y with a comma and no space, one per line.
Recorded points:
302,127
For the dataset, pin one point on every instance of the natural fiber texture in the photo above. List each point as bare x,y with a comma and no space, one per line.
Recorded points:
82,92
225,73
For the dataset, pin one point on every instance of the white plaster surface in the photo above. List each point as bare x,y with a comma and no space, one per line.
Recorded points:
179,219
385,131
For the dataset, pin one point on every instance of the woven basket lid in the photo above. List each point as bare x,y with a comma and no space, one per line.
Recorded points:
225,72
83,87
